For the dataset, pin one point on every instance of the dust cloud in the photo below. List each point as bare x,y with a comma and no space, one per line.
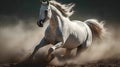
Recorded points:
107,48
17,42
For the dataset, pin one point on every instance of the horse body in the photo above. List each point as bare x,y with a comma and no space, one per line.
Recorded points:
73,34
76,34
62,32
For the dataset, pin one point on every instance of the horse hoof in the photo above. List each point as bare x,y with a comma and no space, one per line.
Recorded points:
50,57
50,51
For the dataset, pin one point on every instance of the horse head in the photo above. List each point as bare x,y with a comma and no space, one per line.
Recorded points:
45,13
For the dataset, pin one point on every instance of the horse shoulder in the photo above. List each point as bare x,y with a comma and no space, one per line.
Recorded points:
47,33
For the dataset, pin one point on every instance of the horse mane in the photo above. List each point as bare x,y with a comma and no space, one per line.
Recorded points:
65,9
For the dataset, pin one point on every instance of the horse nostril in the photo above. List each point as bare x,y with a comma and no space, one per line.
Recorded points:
40,23
46,11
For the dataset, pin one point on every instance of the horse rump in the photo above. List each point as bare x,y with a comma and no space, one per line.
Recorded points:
96,27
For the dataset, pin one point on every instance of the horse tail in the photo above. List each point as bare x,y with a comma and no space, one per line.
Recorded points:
96,27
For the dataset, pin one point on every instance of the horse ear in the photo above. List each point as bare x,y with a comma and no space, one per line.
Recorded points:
43,0
48,2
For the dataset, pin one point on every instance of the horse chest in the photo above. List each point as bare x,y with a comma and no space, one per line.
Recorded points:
53,36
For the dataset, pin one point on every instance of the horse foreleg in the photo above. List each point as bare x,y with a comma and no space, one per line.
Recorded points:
56,46
41,44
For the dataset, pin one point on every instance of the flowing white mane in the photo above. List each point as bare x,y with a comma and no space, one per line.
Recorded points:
65,9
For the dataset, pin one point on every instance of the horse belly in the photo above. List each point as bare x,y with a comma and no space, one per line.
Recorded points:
72,42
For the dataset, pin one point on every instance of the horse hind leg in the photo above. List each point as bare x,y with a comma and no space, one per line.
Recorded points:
80,49
68,53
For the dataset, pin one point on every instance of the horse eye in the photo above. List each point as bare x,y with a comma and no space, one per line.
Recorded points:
46,11
49,9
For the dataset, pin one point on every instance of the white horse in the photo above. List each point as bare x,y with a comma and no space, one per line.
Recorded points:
64,33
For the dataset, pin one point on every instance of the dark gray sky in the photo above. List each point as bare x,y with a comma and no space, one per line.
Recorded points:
103,9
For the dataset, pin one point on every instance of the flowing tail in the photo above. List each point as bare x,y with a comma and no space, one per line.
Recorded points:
96,27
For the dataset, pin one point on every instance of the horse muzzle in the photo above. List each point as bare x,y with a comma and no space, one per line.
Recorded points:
40,23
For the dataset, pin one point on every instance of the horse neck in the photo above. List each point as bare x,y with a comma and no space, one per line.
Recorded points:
53,23
56,19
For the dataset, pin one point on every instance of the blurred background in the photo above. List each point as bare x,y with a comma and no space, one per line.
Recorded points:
84,9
